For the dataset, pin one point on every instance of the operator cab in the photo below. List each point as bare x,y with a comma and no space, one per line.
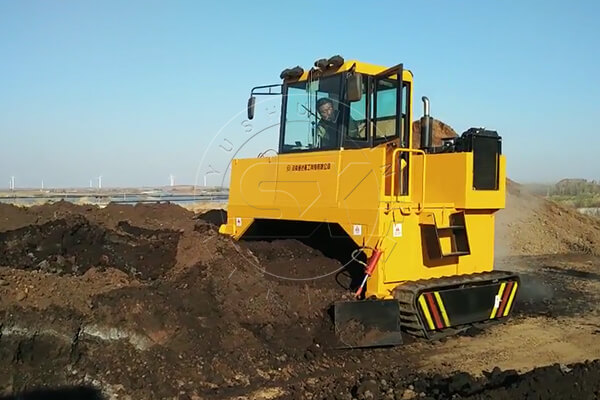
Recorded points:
341,105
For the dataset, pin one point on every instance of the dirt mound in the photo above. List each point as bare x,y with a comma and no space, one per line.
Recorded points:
531,225
13,217
440,131
151,302
74,245
219,309
63,393
578,381
290,261
151,216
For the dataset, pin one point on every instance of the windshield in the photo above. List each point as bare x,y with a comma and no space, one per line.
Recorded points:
313,115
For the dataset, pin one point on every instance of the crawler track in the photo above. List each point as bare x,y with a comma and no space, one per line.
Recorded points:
407,295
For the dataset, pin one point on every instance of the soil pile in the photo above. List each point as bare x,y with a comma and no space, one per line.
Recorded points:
148,296
151,216
74,245
149,301
578,381
439,131
531,225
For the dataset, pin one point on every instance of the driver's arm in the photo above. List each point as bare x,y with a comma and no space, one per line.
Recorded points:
357,130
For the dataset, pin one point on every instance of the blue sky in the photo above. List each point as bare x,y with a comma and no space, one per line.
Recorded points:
137,90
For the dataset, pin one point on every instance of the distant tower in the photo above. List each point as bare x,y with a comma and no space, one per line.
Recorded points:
172,179
91,184
100,182
204,180
12,183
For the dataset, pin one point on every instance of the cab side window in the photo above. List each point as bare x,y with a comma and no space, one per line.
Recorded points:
384,117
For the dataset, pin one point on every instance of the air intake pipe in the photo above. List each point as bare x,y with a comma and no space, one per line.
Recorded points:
426,126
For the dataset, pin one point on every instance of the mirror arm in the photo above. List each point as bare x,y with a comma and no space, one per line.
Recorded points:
264,90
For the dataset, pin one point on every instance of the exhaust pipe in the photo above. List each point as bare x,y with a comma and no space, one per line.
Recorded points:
425,106
426,126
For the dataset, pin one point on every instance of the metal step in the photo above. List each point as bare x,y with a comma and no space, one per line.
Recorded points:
456,254
451,227
456,231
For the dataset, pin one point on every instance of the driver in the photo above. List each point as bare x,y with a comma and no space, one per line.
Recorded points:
327,128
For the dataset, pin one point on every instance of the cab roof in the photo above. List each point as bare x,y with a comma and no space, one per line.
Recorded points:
360,67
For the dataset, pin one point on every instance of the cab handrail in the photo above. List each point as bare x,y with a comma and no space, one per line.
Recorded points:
396,154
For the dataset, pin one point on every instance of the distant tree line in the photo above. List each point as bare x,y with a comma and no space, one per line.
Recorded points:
575,187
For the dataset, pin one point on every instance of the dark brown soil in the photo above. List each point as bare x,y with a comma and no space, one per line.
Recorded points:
579,381
439,131
151,216
550,288
292,261
151,302
353,334
214,309
74,245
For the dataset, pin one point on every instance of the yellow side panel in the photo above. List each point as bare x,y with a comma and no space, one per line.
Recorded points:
446,178
449,179
405,253
486,199
405,258
333,186
251,183
480,231
288,187
360,179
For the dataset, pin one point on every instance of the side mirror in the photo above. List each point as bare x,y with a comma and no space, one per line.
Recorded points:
354,90
251,102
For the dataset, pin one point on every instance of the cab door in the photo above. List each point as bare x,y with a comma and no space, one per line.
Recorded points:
390,125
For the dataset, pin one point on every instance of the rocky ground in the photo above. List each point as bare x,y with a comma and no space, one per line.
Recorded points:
150,302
